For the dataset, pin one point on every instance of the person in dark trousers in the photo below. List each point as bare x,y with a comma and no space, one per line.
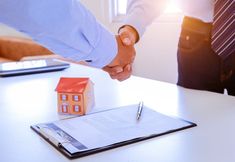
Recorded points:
206,48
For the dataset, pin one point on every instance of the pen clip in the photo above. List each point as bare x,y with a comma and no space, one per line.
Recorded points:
139,111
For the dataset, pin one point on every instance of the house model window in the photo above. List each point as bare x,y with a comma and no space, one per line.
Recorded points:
76,108
64,97
75,95
64,108
76,98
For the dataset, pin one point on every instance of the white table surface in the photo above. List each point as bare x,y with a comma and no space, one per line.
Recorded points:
31,99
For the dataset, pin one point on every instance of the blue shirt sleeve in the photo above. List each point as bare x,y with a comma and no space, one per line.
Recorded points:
65,27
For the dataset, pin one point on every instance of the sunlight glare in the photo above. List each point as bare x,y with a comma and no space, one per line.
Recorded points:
172,7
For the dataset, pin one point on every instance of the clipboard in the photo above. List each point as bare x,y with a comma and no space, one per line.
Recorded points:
81,136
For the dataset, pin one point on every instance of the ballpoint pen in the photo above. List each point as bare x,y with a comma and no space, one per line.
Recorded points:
140,108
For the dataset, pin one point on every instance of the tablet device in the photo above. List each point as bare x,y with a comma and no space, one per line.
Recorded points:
31,67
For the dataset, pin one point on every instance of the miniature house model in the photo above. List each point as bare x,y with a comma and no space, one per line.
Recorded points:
75,95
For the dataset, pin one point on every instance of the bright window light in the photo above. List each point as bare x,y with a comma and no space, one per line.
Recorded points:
121,6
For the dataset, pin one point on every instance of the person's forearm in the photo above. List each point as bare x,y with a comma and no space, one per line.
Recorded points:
141,13
64,26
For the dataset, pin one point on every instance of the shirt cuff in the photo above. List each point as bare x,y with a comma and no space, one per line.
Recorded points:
105,50
133,20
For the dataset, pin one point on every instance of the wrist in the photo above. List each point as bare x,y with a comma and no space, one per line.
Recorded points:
131,30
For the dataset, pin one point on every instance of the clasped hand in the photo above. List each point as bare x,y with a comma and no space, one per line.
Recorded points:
121,67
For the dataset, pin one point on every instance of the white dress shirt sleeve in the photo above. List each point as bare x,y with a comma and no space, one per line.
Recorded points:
65,27
141,13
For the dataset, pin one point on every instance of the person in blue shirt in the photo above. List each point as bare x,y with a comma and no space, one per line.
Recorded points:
67,28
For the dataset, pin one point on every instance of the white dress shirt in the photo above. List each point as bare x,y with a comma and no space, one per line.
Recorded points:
65,27
141,13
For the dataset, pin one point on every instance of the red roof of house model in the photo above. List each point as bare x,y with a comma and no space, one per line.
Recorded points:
72,85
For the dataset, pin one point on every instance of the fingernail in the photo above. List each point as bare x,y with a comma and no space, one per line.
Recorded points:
119,70
127,41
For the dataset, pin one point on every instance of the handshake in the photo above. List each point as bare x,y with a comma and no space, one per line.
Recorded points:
121,66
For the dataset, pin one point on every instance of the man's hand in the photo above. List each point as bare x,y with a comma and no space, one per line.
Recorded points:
125,55
121,67
118,72
128,35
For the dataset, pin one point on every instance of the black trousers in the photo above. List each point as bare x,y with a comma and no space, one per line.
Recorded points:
199,67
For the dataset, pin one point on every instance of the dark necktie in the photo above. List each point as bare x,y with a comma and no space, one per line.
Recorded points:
223,31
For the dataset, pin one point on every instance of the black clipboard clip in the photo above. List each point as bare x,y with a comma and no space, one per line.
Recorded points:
59,138
55,137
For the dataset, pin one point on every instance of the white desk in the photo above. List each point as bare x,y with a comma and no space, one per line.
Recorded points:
31,99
